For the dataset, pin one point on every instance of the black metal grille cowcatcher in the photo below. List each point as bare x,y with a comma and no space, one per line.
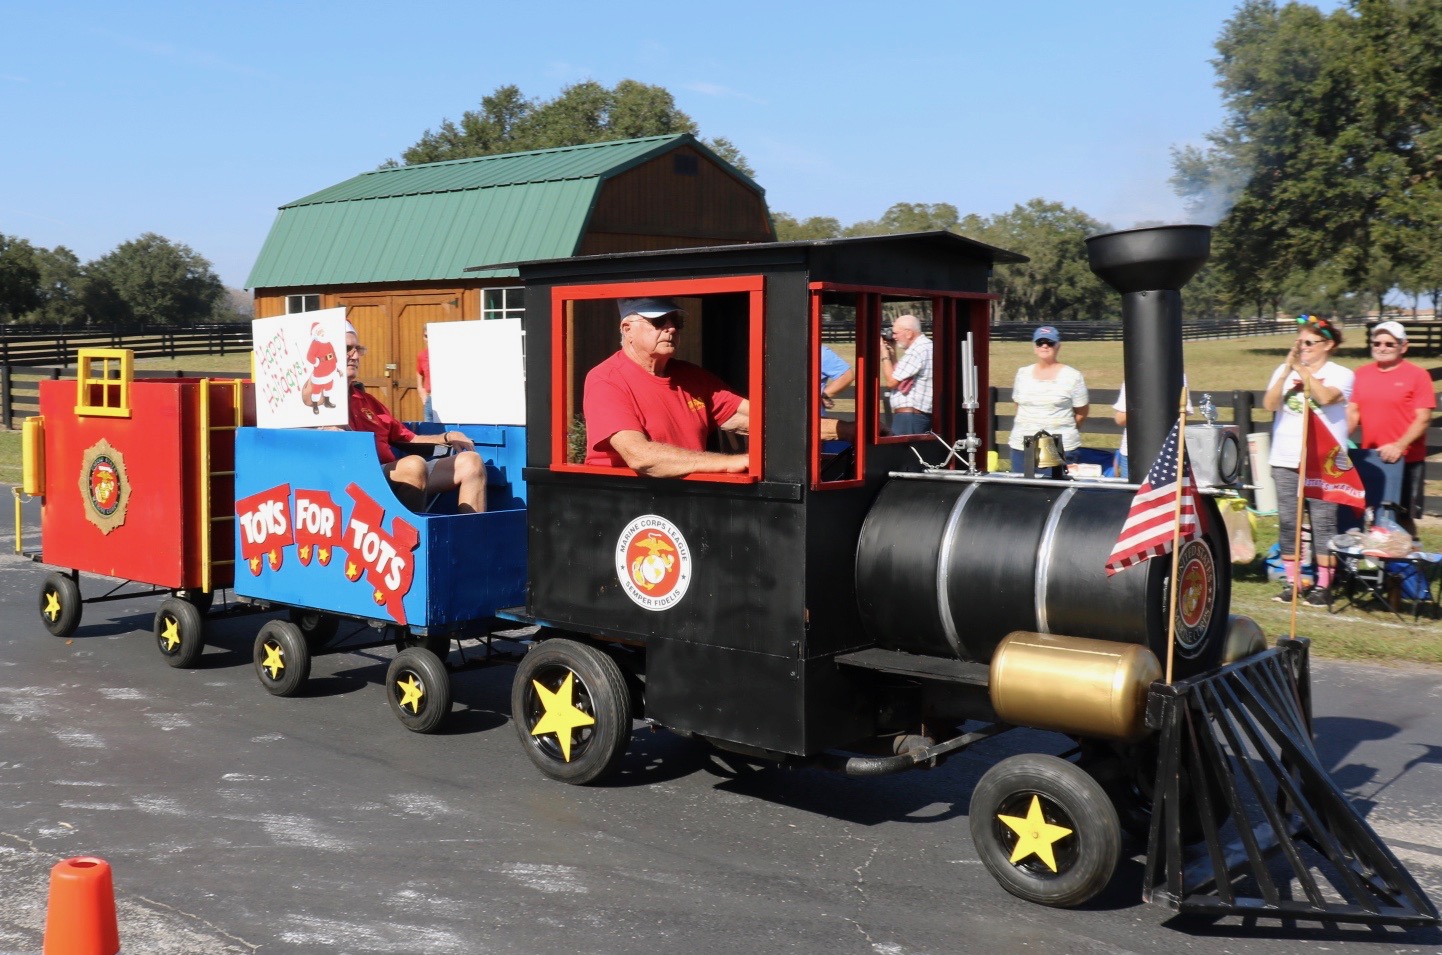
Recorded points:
1279,839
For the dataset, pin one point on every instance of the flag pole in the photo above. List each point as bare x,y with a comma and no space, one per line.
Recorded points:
1177,531
1301,501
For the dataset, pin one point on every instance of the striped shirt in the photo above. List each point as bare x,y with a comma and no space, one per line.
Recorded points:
916,366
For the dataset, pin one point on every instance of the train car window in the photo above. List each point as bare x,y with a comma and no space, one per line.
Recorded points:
909,376
837,454
707,334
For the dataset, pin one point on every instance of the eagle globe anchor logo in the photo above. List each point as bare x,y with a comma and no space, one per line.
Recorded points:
653,562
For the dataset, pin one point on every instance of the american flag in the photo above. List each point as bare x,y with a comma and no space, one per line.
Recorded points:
1150,524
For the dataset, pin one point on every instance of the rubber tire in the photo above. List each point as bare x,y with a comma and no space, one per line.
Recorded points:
1128,775
190,625
199,599
319,629
437,643
599,690
426,668
1086,859
67,594
286,638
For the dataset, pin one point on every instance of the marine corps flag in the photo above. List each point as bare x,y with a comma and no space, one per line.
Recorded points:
1330,475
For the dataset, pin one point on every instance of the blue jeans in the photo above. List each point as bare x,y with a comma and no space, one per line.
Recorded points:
429,414
908,423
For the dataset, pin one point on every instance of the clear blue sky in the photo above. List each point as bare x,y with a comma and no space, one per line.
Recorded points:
197,120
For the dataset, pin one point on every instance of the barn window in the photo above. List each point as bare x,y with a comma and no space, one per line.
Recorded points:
503,303
722,334
301,303
685,164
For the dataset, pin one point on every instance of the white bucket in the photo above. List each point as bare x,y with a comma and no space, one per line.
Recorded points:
1259,449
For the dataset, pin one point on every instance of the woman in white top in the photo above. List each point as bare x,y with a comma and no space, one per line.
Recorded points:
1049,397
1309,364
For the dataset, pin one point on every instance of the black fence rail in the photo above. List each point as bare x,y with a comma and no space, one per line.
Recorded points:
28,346
1112,331
20,393
1423,338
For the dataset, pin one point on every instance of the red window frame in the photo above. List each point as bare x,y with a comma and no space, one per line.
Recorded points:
948,317
755,288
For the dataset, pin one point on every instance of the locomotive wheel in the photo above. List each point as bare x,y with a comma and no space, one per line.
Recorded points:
572,711
199,599
437,643
282,659
1128,774
60,604
419,690
317,628
179,632
1045,829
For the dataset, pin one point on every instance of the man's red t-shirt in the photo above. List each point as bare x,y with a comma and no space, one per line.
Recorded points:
367,413
679,408
1387,403
423,368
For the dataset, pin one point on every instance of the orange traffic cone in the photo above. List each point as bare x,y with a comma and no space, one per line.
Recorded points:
81,916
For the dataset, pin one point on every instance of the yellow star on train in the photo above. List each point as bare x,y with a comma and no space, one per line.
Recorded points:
1036,835
322,554
255,565
561,715
52,605
411,692
171,633
304,552
274,661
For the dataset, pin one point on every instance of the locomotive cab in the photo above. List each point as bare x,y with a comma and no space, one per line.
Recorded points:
741,588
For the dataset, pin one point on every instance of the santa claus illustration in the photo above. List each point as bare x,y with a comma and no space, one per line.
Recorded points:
321,356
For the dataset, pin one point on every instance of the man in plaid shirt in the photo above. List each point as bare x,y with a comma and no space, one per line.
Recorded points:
910,378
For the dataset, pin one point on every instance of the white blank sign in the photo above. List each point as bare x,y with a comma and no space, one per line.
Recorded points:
477,376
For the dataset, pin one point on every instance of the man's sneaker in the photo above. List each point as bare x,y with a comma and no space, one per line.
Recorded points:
1318,597
1285,597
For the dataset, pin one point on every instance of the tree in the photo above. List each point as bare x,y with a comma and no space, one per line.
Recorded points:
1057,284
1330,151
19,277
788,229
585,112
61,288
152,281
909,217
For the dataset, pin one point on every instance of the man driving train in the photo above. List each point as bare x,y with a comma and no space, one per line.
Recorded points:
652,412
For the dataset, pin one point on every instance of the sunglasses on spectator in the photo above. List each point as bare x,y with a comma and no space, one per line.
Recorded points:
661,321
1044,343
1379,343
1305,343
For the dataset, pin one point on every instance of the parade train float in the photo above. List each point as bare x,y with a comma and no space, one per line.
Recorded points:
855,600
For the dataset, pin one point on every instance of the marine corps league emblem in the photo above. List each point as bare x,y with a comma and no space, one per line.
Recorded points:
104,486
653,562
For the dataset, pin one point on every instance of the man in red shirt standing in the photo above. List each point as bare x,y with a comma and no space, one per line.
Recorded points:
652,412
463,469
1392,401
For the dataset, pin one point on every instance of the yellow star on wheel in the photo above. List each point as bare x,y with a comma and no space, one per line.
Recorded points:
274,660
52,605
171,633
411,692
561,714
1035,835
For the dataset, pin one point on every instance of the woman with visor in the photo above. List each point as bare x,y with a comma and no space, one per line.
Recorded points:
1308,369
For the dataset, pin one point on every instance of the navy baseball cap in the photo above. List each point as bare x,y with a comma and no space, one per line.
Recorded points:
1048,332
647,307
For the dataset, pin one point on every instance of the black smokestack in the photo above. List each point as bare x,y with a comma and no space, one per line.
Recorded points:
1149,267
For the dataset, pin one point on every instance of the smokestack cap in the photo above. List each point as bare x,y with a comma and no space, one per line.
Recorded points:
1141,260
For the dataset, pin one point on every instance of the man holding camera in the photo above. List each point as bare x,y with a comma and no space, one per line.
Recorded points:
910,378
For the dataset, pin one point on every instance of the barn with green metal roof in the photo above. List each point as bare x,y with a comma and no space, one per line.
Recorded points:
393,245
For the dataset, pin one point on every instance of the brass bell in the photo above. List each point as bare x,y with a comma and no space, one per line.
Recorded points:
1047,455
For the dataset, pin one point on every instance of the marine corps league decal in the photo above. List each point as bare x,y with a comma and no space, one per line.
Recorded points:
104,486
653,562
1197,595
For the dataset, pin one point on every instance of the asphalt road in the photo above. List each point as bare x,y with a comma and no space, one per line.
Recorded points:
236,822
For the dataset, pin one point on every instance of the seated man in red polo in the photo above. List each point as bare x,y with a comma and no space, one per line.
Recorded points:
652,412
463,469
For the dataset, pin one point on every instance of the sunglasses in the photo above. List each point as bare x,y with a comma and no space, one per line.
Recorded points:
1309,344
355,349
1381,344
1044,343
662,321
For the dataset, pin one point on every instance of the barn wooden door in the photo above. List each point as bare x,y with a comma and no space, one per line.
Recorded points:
370,314
412,313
